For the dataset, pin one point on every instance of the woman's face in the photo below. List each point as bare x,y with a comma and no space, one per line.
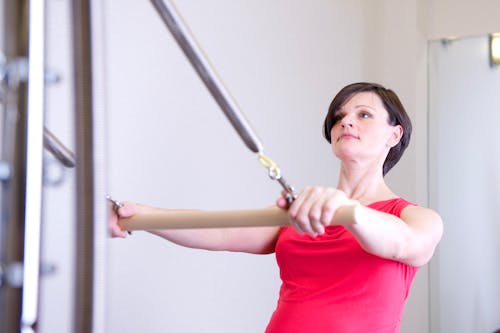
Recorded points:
362,130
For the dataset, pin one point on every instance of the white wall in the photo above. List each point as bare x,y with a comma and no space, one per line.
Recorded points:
465,184
448,18
171,146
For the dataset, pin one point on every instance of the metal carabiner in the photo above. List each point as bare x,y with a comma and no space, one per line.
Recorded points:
275,174
290,191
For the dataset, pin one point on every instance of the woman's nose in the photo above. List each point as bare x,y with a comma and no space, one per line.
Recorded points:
346,122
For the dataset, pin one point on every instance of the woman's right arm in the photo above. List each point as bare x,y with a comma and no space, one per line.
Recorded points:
258,240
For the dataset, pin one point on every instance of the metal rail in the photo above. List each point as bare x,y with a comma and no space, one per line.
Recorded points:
228,105
91,206
14,22
207,74
34,164
58,149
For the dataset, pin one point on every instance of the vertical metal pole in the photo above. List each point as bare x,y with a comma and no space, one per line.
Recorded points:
84,170
13,156
34,165
91,205
99,126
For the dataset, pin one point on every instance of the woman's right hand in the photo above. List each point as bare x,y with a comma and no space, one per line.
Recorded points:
126,211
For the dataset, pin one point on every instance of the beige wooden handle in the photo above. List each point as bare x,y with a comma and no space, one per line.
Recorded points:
188,219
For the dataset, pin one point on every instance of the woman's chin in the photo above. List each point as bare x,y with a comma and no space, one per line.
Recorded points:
345,153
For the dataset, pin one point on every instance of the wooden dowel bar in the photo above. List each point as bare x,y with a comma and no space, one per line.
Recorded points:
188,219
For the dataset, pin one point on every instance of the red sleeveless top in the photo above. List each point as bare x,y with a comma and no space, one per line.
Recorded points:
330,284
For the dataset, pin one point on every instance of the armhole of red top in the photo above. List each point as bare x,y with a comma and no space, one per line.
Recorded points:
402,204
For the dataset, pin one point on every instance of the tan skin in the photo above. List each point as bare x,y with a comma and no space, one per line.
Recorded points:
361,140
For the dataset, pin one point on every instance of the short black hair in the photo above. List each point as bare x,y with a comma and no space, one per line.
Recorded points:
393,106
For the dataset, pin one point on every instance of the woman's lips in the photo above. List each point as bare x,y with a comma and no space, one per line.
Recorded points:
348,136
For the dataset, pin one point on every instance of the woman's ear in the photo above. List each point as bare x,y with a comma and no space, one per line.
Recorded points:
396,135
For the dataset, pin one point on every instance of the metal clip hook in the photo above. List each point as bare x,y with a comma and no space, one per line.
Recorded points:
290,191
275,174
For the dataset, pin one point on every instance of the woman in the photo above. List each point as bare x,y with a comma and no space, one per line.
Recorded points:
350,255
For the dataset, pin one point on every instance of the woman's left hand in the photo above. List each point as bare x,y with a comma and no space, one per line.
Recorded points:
314,208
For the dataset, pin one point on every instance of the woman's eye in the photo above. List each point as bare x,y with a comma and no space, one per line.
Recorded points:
364,115
337,118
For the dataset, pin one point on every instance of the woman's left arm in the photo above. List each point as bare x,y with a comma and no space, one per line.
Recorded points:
410,239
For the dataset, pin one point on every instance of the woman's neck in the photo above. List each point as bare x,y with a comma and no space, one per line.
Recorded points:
364,183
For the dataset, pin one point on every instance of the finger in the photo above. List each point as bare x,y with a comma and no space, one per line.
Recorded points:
299,209
114,228
295,206
304,216
300,224
282,203
299,202
297,228
128,210
318,227
116,231
328,211
315,216
300,221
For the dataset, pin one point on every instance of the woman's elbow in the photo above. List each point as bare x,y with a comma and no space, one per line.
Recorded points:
424,251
